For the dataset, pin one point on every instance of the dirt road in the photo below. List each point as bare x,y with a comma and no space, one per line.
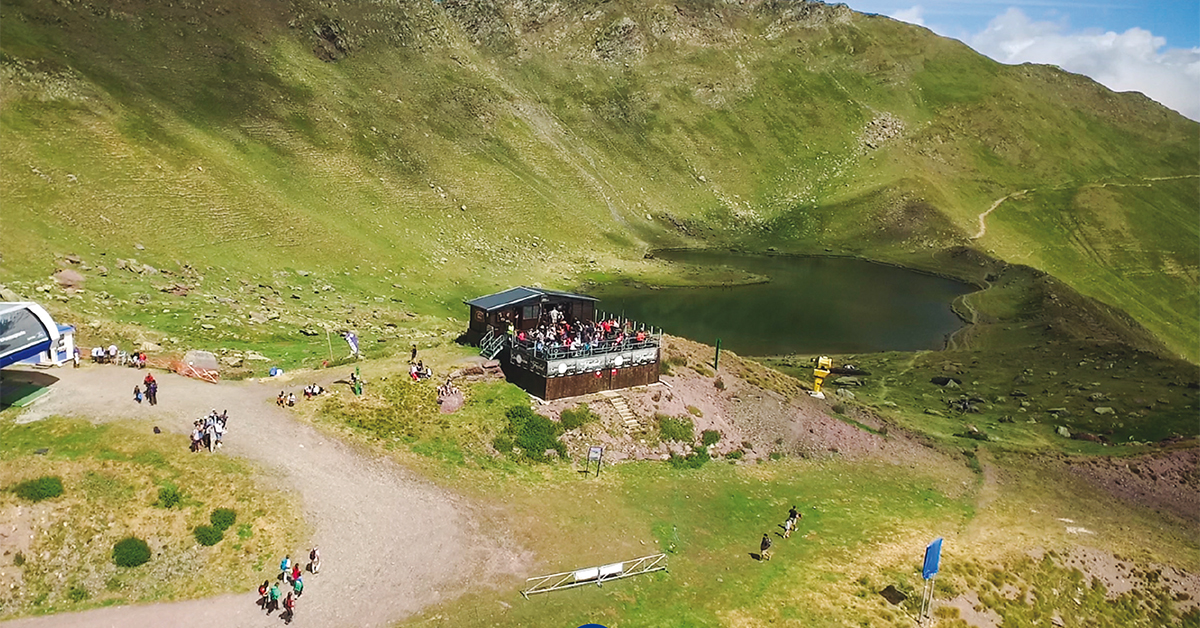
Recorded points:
391,543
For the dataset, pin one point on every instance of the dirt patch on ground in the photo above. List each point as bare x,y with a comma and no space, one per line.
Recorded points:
755,421
1122,576
1165,482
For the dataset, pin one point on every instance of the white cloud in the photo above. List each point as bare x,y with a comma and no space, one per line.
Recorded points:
912,15
1135,60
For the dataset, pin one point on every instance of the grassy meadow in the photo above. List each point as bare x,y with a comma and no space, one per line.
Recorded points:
59,553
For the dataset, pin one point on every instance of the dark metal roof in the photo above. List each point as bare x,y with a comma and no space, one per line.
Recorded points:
516,296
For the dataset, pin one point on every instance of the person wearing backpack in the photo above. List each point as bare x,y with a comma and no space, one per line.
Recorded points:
314,558
289,608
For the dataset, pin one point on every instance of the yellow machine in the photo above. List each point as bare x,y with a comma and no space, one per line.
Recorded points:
819,375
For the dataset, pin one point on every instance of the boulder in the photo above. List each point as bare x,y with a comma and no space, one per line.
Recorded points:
1064,432
844,393
68,278
848,380
1104,410
943,381
233,361
149,347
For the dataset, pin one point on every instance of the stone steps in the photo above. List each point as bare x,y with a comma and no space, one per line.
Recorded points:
624,412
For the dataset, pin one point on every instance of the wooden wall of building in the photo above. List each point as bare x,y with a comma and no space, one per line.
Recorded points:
588,383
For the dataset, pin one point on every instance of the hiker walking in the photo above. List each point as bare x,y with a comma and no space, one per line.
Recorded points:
137,394
298,586
152,392
789,525
295,572
262,593
314,560
764,548
289,608
285,566
273,598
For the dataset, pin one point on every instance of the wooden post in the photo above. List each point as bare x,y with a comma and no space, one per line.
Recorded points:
717,358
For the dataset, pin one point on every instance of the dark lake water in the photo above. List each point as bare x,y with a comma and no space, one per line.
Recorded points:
810,305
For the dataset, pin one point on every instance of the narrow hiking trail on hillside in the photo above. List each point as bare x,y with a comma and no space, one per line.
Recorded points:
391,543
1145,183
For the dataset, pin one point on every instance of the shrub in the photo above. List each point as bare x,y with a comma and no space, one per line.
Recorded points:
694,460
680,429
736,454
78,594
838,408
709,437
694,411
208,535
42,488
776,455
720,384
532,433
572,418
131,552
169,496
222,518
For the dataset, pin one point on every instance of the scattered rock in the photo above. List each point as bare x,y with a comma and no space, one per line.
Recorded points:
848,381
933,412
1104,410
233,361
149,347
68,278
1063,431
207,326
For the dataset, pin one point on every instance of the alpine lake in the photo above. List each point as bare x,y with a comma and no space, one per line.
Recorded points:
805,305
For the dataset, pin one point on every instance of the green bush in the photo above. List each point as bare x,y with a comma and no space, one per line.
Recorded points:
222,518
532,433
208,535
581,414
709,437
169,496
131,552
694,460
78,594
736,454
680,429
42,488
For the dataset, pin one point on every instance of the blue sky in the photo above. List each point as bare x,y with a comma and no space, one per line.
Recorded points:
1151,46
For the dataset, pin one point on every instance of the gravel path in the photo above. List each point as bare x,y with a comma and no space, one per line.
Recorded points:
391,543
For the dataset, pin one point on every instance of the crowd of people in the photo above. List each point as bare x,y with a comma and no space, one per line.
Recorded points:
113,355
558,334
291,576
208,432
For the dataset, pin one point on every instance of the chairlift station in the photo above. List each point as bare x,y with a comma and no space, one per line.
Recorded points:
558,372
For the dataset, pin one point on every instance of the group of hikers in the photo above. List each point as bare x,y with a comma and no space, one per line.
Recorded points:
789,525
556,334
292,577
112,355
288,399
148,390
208,432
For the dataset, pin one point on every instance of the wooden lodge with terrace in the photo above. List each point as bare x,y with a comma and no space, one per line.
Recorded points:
557,344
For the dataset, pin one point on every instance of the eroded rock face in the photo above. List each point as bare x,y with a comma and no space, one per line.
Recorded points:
621,42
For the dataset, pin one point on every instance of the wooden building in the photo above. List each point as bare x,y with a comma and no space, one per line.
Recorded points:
551,371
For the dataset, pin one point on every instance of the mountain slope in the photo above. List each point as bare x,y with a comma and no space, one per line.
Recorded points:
460,146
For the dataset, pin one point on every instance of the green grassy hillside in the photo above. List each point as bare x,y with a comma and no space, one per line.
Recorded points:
326,162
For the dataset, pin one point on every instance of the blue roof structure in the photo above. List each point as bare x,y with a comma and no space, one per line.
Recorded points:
26,329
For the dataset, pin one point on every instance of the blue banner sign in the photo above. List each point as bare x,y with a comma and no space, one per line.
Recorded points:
933,555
